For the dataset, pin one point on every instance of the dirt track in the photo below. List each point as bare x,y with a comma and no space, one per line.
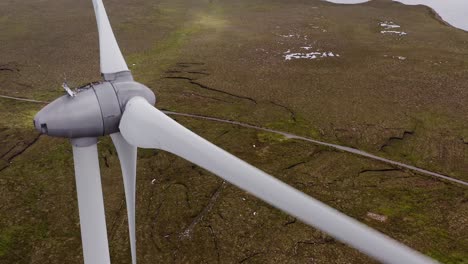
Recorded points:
293,136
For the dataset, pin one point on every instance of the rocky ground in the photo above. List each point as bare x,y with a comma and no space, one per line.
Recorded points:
312,68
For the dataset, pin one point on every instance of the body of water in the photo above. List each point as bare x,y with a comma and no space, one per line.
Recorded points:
454,12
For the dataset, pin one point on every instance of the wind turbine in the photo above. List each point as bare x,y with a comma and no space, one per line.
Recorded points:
122,108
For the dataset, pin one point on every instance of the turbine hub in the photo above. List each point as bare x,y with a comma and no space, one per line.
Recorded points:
94,111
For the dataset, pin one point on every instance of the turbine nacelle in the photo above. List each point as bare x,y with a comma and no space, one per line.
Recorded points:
95,109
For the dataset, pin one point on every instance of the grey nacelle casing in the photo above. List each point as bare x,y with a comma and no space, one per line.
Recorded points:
95,111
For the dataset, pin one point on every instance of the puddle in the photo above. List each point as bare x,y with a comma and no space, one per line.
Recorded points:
454,12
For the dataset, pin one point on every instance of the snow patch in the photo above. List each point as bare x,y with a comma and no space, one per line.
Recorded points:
388,27
396,57
399,33
308,55
377,217
306,51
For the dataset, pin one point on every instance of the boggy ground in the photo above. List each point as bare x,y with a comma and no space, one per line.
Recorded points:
226,59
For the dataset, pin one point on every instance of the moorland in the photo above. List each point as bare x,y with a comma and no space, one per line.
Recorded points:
401,97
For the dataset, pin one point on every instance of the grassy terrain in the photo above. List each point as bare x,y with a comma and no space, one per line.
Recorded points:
225,59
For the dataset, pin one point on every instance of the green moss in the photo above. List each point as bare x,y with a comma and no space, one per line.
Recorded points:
16,114
12,28
3,19
210,21
12,236
6,239
152,62
267,137
299,126
451,258
432,119
464,135
165,52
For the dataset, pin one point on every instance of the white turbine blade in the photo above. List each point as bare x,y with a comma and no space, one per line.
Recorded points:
127,155
144,126
91,205
111,57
